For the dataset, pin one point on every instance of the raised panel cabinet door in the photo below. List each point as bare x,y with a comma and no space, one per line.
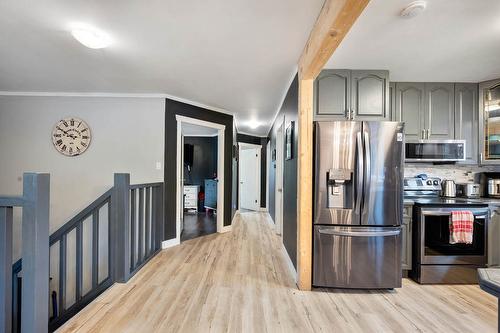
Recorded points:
410,108
332,93
370,95
392,100
406,240
466,119
439,110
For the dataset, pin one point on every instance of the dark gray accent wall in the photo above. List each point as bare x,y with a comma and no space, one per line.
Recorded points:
287,114
173,108
257,140
204,160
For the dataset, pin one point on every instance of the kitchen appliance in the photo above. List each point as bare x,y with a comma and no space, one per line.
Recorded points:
435,260
449,188
439,151
468,190
490,184
358,204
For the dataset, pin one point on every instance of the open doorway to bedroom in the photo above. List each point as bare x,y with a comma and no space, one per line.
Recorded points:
199,181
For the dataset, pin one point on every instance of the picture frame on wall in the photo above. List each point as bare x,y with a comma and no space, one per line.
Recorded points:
289,141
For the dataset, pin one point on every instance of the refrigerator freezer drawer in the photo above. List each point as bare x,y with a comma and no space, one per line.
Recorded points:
357,257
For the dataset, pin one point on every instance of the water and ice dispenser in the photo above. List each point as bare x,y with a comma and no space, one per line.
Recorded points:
339,187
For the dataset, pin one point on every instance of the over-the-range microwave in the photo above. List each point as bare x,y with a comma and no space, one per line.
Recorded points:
435,151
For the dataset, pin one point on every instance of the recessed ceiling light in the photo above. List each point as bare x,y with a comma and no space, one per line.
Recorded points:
413,9
91,37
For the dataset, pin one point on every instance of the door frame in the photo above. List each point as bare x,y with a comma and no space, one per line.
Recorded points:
179,197
259,175
280,166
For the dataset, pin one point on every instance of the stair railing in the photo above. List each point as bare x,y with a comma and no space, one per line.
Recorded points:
35,239
107,242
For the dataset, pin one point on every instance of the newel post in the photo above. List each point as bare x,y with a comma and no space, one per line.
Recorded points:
5,269
35,252
120,227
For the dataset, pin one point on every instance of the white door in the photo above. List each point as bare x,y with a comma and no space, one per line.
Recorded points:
279,182
250,178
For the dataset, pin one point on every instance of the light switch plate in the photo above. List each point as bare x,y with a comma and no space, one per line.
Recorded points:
158,165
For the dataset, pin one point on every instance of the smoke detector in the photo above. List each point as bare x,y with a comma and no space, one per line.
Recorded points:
413,9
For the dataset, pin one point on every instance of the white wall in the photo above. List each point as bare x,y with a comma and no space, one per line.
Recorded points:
127,136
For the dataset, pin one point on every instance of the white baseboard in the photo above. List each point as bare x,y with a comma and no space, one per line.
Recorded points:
236,211
263,209
292,269
170,242
226,228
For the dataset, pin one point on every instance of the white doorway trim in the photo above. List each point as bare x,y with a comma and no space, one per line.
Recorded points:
278,188
220,172
250,145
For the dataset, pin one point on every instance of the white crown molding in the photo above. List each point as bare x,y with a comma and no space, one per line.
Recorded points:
112,95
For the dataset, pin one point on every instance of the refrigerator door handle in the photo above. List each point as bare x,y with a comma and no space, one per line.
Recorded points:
359,180
368,167
359,233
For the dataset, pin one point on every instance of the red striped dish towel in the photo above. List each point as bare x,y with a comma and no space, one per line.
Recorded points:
461,227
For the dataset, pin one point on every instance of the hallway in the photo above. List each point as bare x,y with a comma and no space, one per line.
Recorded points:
240,282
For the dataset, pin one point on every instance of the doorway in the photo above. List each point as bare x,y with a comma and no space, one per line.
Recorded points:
200,175
279,181
249,177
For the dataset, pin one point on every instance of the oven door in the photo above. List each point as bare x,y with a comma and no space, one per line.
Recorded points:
434,238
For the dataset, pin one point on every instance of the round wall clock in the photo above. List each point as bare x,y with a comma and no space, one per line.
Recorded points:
71,136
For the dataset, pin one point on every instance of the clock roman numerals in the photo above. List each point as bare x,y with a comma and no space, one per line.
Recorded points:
71,136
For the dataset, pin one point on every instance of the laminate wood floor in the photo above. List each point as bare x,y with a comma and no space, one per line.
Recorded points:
240,282
198,224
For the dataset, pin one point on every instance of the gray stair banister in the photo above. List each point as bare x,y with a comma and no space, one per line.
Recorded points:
35,251
5,269
120,228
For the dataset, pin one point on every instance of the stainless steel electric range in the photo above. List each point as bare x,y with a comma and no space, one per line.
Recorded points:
435,260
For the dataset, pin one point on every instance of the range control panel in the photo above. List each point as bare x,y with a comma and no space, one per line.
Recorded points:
419,184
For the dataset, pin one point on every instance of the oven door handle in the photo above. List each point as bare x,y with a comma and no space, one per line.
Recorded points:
480,216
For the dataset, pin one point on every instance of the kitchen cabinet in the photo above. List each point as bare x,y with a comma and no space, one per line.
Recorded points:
439,110
466,119
352,94
410,108
406,237
426,108
392,99
489,122
494,236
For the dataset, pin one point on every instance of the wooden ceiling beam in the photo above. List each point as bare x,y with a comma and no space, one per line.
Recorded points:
333,23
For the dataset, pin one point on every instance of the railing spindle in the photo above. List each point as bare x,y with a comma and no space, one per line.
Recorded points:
95,247
62,274
79,262
132,229
141,225
148,221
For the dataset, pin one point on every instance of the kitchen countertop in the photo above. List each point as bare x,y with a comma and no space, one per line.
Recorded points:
489,280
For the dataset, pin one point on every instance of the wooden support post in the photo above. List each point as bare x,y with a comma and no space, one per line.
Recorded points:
35,252
333,23
5,269
120,228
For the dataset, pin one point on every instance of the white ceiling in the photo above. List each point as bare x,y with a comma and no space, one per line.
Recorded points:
196,130
237,55
452,40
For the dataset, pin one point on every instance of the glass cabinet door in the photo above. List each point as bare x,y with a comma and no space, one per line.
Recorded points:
490,109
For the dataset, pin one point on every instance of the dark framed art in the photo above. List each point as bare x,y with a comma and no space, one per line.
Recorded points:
289,141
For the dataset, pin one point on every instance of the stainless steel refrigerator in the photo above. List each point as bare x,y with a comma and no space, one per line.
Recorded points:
358,204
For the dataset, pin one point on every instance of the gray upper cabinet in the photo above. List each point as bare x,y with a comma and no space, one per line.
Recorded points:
392,100
332,89
409,108
356,94
466,119
370,94
439,110
489,122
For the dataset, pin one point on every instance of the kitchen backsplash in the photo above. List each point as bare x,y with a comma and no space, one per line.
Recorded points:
458,173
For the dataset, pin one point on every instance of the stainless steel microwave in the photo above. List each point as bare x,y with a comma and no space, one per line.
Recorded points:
435,151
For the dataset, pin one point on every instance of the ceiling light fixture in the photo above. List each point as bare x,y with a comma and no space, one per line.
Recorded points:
91,37
253,124
413,9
